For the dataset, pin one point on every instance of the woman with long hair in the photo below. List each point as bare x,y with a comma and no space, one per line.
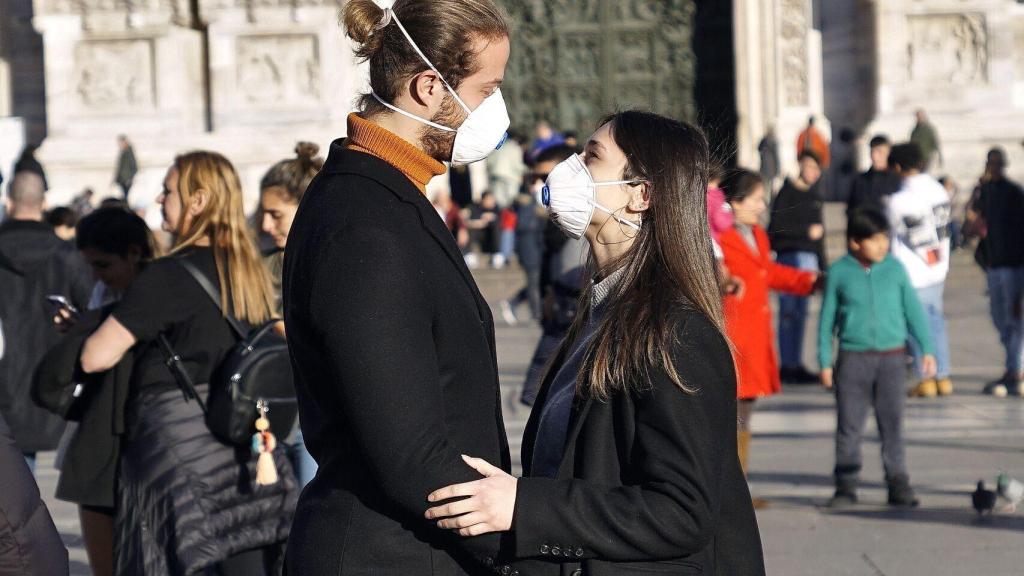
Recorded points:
281,190
187,501
629,456
748,315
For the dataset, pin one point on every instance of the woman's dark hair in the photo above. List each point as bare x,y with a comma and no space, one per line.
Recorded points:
739,184
879,140
809,154
907,156
116,231
62,216
670,265
865,222
444,30
294,175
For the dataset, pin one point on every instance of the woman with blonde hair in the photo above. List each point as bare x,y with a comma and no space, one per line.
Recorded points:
188,502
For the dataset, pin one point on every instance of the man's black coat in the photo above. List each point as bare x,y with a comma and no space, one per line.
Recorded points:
394,358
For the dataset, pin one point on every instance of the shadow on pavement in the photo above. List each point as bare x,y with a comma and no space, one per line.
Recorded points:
946,516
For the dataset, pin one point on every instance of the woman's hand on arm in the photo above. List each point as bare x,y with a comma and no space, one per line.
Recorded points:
488,504
107,345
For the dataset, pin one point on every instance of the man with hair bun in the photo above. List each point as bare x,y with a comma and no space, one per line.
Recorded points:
392,343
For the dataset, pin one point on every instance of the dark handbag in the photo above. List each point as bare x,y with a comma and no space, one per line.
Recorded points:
58,385
257,372
67,400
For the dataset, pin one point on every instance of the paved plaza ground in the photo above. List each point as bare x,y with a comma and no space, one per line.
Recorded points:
952,442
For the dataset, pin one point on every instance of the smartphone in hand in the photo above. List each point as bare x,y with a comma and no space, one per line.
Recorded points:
58,303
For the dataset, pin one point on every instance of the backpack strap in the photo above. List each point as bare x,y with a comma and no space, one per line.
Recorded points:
214,293
180,374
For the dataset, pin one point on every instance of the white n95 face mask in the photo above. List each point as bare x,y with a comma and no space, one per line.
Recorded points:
571,196
483,131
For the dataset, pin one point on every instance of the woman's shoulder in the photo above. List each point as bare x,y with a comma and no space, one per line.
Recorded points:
694,330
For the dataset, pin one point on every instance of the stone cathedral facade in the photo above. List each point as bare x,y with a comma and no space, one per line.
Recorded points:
249,78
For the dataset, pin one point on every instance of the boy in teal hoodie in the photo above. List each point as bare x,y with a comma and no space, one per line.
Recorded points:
870,304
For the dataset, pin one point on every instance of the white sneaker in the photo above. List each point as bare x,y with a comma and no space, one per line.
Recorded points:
472,261
498,261
508,313
997,389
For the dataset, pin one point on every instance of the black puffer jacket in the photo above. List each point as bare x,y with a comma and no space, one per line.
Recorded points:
34,263
29,542
188,501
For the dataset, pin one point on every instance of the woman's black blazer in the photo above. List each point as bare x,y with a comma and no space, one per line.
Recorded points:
393,353
650,482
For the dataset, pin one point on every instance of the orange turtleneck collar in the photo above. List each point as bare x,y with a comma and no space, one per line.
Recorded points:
415,164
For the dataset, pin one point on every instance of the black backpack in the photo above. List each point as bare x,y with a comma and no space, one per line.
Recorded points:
256,375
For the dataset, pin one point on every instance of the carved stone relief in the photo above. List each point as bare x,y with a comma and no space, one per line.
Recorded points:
947,49
114,75
278,71
795,22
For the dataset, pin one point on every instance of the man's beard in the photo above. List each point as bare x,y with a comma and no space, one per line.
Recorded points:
438,144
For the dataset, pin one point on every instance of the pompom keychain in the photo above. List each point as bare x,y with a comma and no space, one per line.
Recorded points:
263,445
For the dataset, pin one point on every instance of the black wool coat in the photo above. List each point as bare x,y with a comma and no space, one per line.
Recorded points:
650,482
394,359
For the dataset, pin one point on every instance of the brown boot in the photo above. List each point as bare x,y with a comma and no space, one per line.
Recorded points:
925,389
743,447
944,387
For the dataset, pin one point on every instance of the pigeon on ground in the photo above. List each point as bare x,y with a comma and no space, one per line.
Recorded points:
983,500
1010,490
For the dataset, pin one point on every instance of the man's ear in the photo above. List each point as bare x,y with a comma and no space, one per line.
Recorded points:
426,89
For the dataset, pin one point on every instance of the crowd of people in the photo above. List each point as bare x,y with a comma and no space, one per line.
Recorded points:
649,266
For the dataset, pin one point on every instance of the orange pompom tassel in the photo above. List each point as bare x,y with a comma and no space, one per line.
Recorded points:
266,470
263,444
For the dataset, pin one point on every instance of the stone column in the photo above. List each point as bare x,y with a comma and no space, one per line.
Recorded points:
779,75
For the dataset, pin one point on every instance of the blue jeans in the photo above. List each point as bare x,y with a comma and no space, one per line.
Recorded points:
508,244
1006,297
303,463
931,301
793,311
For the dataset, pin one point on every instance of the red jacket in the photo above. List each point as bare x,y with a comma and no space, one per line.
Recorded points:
748,317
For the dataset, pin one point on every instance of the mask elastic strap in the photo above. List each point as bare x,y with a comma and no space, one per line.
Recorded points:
411,115
618,218
394,18
619,182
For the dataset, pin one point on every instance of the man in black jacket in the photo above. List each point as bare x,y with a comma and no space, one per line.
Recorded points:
876,185
1001,206
392,343
34,264
797,235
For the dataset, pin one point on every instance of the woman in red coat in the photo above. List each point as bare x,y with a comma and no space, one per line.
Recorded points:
748,314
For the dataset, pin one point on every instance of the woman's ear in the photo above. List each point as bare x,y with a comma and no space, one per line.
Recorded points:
641,199
198,202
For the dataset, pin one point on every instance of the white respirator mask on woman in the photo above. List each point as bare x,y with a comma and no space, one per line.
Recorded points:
571,196
483,131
